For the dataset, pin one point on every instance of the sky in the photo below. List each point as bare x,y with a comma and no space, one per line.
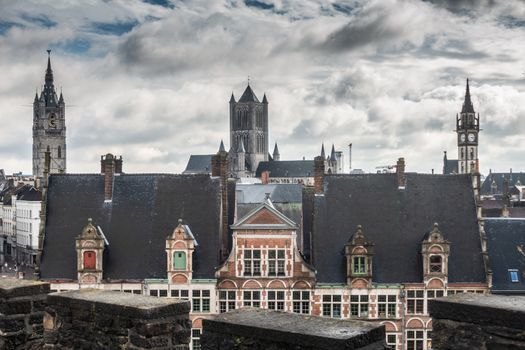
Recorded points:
151,80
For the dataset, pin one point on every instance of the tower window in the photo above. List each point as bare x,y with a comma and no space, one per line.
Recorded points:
359,263
59,152
179,260
435,263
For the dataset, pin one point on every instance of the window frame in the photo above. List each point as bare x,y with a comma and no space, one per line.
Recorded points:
273,302
252,266
432,265
514,275
204,301
360,267
302,303
415,302
184,259
229,302
332,305
254,298
387,304
360,304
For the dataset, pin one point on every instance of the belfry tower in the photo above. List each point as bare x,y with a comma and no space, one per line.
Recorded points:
467,128
49,126
248,133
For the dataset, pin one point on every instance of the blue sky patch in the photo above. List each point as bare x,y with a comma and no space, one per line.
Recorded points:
259,4
346,9
163,3
76,46
117,28
39,20
5,26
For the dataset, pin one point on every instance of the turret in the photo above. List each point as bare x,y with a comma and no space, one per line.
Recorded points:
276,156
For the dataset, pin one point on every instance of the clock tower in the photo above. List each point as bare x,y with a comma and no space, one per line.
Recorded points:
49,127
467,128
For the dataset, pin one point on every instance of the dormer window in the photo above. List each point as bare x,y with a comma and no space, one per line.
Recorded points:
436,264
359,265
179,260
514,277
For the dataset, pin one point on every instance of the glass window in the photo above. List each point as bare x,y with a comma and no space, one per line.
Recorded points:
332,306
196,339
251,298
358,306
200,300
154,292
514,276
276,262
301,302
179,260
180,294
163,293
226,300
252,262
386,306
415,301
391,339
359,265
415,340
435,263
276,300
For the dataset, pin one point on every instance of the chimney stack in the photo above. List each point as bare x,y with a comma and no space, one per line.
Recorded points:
350,158
400,173
319,174
219,168
109,166
265,177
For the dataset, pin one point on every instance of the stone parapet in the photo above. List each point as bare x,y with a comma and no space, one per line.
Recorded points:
98,319
477,321
259,329
22,306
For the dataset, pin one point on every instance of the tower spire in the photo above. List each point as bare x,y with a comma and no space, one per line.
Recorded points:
322,151
49,71
467,104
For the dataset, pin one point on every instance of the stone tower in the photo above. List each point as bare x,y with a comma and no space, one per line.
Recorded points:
249,124
49,127
467,128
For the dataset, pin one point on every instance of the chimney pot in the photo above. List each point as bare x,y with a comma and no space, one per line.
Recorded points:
319,174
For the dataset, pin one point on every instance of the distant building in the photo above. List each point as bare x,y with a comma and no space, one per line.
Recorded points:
49,127
353,246
467,129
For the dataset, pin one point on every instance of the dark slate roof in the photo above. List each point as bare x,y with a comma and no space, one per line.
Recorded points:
29,193
396,221
199,164
248,95
450,166
145,208
287,168
512,178
506,248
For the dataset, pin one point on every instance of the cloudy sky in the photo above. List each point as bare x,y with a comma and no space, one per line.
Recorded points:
151,79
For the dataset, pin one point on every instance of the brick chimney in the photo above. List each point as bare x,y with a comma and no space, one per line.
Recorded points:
219,168
109,166
319,174
400,173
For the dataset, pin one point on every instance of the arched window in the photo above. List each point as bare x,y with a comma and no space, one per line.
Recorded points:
59,152
48,149
179,260
435,264
90,260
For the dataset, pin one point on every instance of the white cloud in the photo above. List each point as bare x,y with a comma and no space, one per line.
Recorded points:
387,76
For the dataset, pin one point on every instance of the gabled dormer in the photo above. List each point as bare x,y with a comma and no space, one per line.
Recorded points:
90,246
435,250
179,249
264,246
359,252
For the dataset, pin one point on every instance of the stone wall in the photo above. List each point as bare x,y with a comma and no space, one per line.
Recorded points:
476,321
259,329
21,313
98,319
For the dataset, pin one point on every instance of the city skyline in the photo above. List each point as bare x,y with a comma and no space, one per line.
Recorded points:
151,80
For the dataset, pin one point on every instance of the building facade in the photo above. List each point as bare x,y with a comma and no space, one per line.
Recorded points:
49,127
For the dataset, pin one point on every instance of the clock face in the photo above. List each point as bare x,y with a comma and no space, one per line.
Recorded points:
471,137
52,122
462,137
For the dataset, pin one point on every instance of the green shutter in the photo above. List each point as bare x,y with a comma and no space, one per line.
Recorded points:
179,260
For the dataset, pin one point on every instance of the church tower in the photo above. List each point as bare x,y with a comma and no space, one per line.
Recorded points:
49,127
467,128
248,132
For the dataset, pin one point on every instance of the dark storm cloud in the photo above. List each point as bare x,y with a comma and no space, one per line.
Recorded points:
117,28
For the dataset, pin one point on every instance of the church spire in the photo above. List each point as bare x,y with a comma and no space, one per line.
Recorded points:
322,151
276,154
467,104
221,147
49,71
